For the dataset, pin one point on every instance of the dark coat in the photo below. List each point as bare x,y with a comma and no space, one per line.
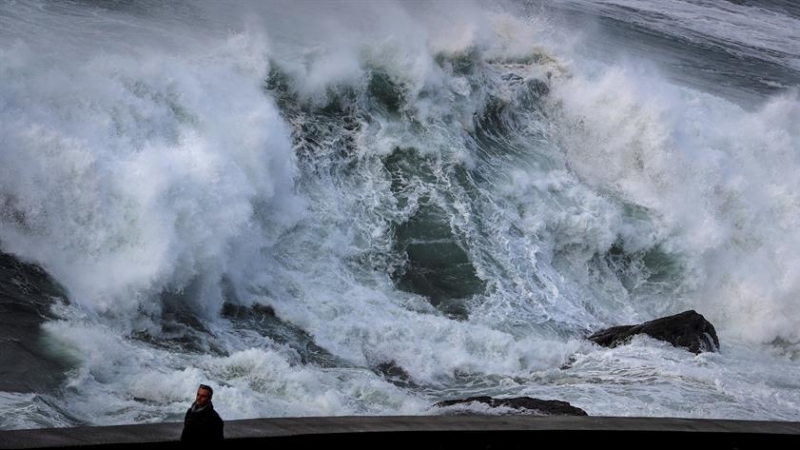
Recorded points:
202,426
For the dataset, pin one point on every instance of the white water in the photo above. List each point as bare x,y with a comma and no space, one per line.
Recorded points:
140,154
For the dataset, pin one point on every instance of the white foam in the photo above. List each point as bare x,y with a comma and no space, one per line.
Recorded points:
719,179
128,169
125,174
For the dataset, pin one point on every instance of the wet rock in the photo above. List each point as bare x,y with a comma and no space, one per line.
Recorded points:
525,405
688,329
394,374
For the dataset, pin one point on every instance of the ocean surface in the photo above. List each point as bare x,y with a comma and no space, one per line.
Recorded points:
366,207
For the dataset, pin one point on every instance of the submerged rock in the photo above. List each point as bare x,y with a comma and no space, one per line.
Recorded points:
526,405
688,329
395,374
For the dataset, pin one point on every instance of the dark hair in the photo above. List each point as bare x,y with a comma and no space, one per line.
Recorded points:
207,388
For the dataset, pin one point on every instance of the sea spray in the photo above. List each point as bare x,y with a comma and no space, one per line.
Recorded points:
365,209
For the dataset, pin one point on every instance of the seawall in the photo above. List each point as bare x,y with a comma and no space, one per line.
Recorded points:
434,432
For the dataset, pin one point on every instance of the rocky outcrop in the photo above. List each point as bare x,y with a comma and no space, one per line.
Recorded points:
688,329
394,374
525,405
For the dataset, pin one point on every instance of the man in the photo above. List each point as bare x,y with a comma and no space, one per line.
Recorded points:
202,424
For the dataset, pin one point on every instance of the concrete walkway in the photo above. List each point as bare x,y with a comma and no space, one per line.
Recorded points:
435,432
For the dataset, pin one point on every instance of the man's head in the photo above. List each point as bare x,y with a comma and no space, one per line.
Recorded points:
204,394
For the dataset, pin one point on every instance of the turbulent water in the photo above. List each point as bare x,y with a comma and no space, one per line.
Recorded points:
363,208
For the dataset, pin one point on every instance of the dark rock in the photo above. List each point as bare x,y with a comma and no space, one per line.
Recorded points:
526,405
263,320
688,329
395,374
